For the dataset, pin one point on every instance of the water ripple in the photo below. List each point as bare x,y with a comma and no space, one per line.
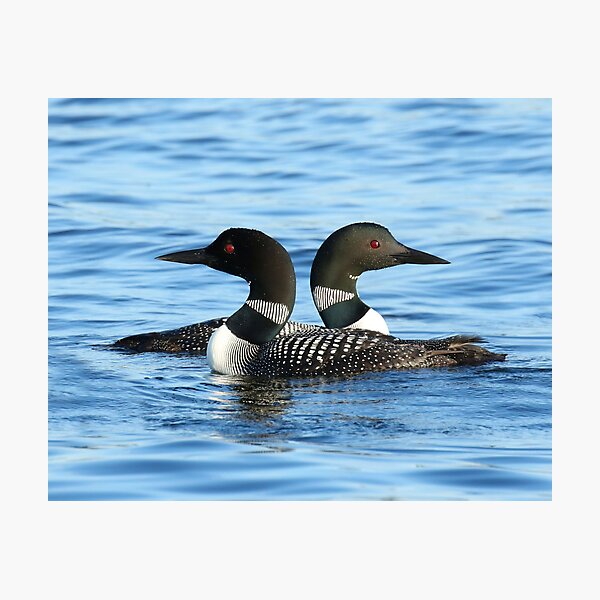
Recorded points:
467,179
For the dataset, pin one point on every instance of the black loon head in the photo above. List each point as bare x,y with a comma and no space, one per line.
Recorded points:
265,264
343,257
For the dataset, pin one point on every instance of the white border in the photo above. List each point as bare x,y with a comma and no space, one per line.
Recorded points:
262,49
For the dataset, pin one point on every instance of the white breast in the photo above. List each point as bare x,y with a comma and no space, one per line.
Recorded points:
372,321
228,354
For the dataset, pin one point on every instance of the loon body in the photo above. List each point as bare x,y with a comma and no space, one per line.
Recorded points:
336,268
248,342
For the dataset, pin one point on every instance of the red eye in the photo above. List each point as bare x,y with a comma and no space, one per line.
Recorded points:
229,248
374,244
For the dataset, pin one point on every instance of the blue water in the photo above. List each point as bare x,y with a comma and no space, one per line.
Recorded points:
465,179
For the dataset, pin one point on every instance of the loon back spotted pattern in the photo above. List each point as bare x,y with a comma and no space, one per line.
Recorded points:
338,352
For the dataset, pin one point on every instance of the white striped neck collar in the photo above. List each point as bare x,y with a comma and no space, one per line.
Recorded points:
274,311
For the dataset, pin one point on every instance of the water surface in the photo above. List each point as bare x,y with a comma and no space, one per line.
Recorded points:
465,179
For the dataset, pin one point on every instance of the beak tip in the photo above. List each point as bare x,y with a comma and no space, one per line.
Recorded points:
417,257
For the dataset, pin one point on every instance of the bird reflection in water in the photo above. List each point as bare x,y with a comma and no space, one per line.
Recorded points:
257,400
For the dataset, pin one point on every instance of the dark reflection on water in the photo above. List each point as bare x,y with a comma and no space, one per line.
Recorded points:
466,179
262,401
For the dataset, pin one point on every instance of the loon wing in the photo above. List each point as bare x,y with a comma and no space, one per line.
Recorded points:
192,339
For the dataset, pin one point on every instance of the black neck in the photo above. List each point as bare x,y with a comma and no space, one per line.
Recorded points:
331,270
345,313
276,283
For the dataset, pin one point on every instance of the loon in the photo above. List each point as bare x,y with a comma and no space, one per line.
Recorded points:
339,262
247,343
342,258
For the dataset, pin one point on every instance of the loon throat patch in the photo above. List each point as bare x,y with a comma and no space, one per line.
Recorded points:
274,311
325,297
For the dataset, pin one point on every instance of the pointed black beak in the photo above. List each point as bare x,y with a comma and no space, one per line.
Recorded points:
189,257
416,257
